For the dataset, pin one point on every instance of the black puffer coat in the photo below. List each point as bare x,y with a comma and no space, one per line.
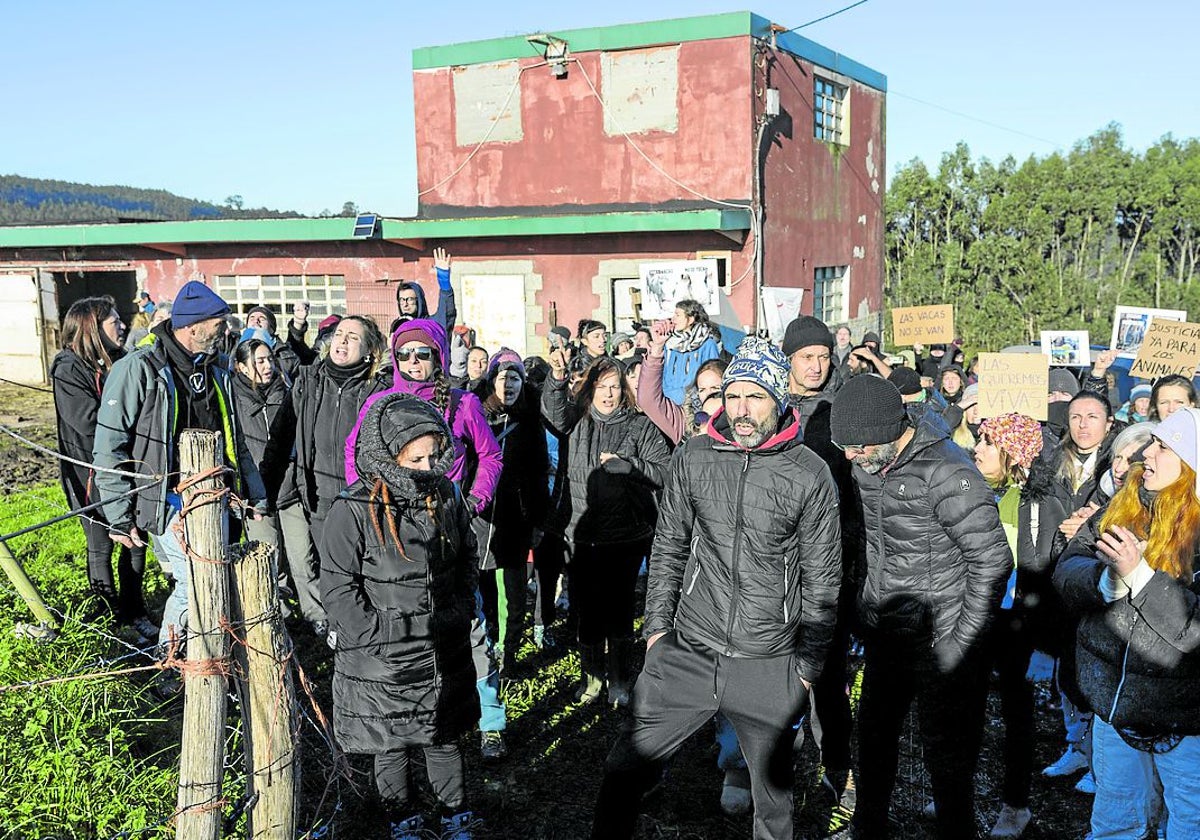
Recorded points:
403,673
504,529
937,556
77,387
597,505
326,411
269,426
747,557
1137,659
1045,504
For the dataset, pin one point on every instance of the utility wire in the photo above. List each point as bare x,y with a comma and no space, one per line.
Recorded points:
826,17
989,123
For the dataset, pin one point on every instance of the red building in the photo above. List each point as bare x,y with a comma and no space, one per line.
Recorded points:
554,168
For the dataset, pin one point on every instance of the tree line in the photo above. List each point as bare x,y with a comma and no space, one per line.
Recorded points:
1052,243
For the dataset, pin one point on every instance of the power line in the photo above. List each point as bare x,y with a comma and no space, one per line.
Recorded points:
1053,143
826,17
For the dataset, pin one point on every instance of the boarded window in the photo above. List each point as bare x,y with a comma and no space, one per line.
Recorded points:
487,94
641,90
494,306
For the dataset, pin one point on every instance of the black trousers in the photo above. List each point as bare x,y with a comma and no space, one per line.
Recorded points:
603,580
513,581
1010,647
680,688
123,597
832,720
950,714
445,767
549,558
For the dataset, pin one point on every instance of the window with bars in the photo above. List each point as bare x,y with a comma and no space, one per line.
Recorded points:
829,294
325,293
829,111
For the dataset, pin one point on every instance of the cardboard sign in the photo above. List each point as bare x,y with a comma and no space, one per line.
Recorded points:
1013,383
1067,348
1130,324
1168,347
922,325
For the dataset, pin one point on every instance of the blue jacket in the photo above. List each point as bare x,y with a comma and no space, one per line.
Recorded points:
679,369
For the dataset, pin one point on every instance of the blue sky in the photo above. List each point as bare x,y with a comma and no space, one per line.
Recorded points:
304,105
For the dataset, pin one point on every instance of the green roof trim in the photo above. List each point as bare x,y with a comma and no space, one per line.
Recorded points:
341,229
632,35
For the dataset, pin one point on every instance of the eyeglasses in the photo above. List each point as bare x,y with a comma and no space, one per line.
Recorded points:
851,450
423,354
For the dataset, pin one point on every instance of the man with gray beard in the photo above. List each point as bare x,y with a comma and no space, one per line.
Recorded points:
742,597
937,560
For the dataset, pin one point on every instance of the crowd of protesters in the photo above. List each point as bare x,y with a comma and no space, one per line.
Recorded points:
788,504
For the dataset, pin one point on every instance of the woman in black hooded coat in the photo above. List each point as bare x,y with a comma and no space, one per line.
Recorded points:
399,565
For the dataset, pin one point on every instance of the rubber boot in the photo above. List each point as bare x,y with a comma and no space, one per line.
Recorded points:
591,664
619,654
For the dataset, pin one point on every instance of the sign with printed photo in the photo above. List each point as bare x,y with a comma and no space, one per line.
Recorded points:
1130,324
1013,383
1067,348
664,284
922,325
1168,347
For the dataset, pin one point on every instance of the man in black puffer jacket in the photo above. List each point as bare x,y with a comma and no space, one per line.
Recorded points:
937,563
742,597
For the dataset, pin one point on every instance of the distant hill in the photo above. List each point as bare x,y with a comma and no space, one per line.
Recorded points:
40,201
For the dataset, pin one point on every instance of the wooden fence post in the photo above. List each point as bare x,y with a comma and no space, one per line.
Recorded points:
201,757
268,696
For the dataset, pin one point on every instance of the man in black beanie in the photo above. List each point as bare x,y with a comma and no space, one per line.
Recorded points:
813,379
935,577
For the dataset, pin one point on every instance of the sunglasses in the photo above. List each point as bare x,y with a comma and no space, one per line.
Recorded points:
423,354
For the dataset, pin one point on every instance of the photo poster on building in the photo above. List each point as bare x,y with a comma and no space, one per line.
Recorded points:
1168,347
1130,324
922,325
781,305
1013,383
664,284
1067,348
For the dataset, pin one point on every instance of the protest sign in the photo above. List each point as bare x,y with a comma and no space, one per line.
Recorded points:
1067,348
1013,383
664,284
780,307
1168,347
1130,324
922,325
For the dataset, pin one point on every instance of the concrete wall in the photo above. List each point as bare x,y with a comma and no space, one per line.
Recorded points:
563,150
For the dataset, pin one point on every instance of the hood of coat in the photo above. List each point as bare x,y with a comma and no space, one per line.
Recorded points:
422,306
390,424
930,431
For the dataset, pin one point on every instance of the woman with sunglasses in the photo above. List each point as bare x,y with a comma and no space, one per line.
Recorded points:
326,398
1129,576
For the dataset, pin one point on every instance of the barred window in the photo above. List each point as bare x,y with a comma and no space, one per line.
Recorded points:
829,111
829,294
325,293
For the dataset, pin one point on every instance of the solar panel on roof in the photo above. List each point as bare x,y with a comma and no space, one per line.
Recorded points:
365,226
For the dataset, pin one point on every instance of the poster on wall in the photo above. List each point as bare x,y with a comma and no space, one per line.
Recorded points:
663,284
1067,348
781,305
1130,324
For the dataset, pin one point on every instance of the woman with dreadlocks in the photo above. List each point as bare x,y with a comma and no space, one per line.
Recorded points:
398,577
1129,575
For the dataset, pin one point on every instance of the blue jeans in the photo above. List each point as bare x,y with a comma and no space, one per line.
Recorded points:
492,717
1132,786
174,563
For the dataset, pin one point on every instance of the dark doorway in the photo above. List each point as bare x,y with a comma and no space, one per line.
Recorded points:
76,285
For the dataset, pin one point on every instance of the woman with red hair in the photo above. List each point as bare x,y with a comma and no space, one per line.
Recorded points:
1129,576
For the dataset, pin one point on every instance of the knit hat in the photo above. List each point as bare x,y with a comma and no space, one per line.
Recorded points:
617,338
1142,389
505,359
1017,436
404,335
194,303
867,411
270,316
564,335
906,380
970,396
329,323
806,331
1181,434
759,361
254,332
391,423
1062,380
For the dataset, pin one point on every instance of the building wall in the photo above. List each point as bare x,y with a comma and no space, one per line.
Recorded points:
824,201
700,133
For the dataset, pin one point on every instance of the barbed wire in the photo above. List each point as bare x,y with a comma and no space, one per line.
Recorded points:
54,454
27,385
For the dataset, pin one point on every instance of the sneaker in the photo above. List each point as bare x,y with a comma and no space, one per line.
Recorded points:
1011,823
542,638
1071,762
1086,784
735,792
412,828
320,628
929,812
146,629
331,639
458,827
491,745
